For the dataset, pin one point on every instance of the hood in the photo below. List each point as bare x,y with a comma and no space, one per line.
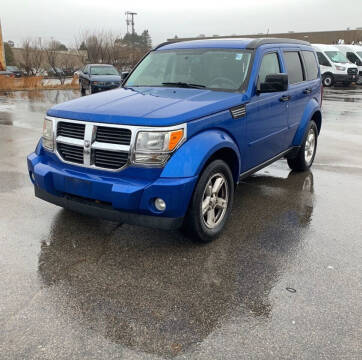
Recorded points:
105,78
158,106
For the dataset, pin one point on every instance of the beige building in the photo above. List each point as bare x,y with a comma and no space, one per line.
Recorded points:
316,37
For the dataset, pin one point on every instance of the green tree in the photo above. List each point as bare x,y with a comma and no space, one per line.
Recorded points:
9,56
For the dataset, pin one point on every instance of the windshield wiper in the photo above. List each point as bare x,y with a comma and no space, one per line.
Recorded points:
184,84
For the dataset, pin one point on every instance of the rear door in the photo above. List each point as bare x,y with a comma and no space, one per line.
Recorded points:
298,89
267,113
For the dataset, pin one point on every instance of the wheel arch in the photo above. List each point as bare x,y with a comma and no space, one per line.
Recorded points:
311,112
192,157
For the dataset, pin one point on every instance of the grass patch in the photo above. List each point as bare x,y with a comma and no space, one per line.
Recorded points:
33,83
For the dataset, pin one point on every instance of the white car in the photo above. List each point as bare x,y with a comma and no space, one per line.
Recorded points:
335,67
354,54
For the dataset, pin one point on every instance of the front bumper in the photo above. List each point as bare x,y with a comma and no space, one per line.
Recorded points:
98,88
101,210
345,77
127,196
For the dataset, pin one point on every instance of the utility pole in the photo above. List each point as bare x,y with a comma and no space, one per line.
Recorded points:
2,52
130,20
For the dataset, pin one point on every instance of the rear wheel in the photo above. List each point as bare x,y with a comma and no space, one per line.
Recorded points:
305,156
328,80
211,202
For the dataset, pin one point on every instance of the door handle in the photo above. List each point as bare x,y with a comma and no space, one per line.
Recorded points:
284,98
307,91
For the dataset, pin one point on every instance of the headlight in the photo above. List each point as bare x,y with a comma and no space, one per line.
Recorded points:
48,142
340,68
155,147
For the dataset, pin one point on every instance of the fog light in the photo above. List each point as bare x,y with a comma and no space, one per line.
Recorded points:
160,204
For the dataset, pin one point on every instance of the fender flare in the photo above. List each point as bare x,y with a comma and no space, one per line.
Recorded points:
311,108
192,156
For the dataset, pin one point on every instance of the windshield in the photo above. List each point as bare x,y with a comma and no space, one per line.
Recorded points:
103,70
216,69
359,54
337,57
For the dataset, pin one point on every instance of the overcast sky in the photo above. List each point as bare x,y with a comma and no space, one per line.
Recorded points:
66,19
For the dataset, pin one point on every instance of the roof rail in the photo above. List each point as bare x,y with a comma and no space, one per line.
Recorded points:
165,43
263,41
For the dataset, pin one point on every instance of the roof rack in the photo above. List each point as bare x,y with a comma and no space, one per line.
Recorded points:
254,43
264,41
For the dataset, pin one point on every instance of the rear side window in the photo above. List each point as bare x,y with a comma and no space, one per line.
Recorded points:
311,66
269,65
294,67
322,59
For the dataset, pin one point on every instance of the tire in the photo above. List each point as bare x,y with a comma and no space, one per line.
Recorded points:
305,156
205,226
82,90
328,80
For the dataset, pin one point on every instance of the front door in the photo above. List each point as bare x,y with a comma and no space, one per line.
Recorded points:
267,117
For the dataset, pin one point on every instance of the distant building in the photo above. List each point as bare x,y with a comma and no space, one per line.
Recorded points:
317,37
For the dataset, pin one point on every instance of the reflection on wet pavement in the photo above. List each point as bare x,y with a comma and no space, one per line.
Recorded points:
186,288
22,108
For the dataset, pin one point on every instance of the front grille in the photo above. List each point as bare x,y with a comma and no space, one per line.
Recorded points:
71,153
93,145
352,71
113,135
70,129
109,159
360,73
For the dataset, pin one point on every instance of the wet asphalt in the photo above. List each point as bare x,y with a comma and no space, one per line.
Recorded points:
284,281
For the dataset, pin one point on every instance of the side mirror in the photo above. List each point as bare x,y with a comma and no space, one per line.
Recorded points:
274,83
124,74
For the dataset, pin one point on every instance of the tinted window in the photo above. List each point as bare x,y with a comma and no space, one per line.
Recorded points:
294,67
311,66
352,58
269,65
322,59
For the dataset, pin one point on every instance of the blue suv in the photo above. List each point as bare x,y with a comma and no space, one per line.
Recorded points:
168,148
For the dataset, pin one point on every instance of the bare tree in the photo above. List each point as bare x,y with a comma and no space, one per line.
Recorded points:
31,58
51,55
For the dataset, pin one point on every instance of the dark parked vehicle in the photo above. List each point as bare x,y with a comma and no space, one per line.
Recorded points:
15,70
98,77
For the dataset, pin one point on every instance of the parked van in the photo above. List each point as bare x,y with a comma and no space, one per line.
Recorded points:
335,67
354,54
168,148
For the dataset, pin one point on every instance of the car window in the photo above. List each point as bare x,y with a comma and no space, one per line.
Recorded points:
322,59
310,65
294,67
216,69
269,65
337,57
353,58
103,70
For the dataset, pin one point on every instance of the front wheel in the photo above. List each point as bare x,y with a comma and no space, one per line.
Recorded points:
211,202
305,156
328,80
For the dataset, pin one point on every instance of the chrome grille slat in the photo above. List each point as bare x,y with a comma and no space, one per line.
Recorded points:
113,135
70,153
71,130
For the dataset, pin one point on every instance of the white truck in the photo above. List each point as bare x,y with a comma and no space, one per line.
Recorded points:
354,54
335,67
